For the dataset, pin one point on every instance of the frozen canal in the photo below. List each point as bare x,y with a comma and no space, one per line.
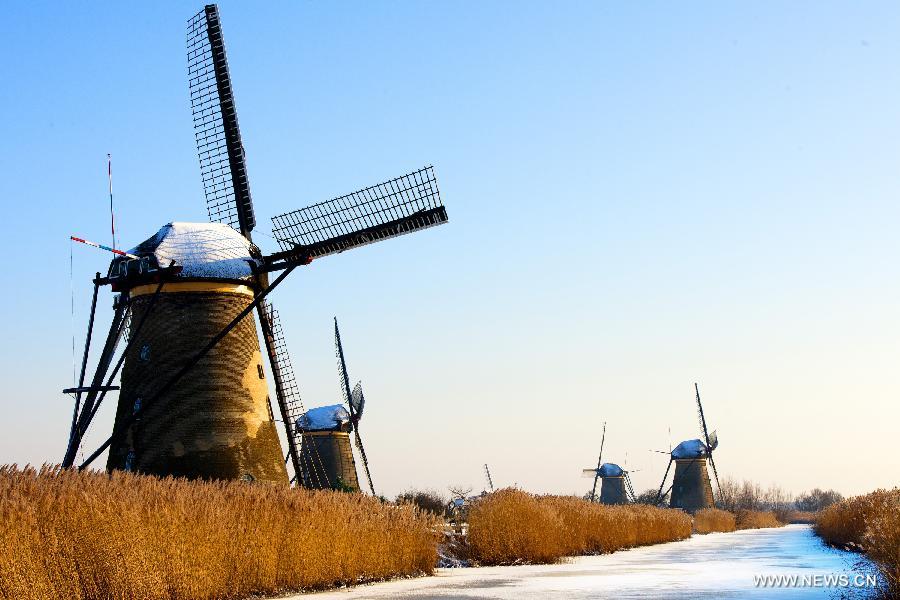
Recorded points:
718,565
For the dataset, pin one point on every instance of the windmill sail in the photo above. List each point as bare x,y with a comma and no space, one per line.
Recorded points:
358,400
710,445
396,207
216,130
290,403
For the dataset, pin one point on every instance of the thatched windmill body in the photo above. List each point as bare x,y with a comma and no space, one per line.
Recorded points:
194,397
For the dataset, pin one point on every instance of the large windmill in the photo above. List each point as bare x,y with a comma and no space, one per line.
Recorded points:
194,399
691,489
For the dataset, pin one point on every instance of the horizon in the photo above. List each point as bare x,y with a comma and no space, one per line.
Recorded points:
640,198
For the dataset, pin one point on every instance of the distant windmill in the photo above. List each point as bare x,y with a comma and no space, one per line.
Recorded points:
326,458
194,400
691,488
616,487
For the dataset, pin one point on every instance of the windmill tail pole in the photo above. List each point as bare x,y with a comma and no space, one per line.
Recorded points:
594,490
659,493
102,247
87,348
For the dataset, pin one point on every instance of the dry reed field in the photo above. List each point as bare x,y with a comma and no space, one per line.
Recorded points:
710,520
756,519
512,526
90,536
869,524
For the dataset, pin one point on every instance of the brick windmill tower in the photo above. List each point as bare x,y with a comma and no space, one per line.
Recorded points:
194,392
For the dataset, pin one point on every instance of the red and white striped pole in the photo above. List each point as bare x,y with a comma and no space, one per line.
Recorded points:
102,247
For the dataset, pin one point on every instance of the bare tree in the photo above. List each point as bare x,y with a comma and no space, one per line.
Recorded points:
817,499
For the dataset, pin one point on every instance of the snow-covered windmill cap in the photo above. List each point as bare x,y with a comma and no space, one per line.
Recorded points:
610,470
202,250
324,418
690,449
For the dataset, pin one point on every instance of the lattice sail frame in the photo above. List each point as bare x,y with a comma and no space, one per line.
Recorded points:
216,130
396,207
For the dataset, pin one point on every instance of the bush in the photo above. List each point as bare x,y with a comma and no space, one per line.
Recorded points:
800,516
512,526
870,524
425,500
756,519
65,534
709,520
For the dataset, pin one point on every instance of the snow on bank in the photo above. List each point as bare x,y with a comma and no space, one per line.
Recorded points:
717,565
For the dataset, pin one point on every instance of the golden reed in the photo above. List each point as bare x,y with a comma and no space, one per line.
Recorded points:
512,526
65,534
711,520
869,524
756,519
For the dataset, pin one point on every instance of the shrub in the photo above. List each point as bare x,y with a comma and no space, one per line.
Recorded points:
756,519
425,500
800,516
84,536
709,520
513,526
870,524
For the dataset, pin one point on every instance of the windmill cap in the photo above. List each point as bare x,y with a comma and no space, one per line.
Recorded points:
610,470
202,250
690,449
324,418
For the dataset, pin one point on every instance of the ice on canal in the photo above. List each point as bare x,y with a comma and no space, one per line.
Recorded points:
717,565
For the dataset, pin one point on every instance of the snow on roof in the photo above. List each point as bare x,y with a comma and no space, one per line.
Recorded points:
203,250
690,449
610,470
323,418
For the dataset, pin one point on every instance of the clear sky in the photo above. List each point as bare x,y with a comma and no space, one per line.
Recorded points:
642,195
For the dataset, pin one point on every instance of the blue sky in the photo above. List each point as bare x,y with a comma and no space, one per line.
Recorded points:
641,196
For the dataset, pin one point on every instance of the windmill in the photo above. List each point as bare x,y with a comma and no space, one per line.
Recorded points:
194,397
325,455
616,487
691,489
326,458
